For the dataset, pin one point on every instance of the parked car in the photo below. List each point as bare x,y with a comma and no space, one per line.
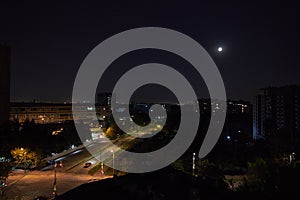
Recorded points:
86,165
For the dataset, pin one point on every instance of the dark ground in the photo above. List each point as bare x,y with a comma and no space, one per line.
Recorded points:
163,184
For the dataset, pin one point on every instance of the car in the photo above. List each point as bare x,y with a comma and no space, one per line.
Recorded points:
86,165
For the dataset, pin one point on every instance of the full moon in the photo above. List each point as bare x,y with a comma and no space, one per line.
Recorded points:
220,49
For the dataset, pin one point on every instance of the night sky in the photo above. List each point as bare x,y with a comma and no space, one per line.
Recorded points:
49,40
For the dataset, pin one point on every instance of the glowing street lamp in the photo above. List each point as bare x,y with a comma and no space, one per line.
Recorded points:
22,156
54,183
102,171
194,164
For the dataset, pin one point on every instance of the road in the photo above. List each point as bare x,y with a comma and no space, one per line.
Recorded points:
27,185
23,185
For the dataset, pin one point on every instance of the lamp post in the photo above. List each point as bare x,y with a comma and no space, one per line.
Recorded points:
102,172
113,161
193,167
54,183
22,154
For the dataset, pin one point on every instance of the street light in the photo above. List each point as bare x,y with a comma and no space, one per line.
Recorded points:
113,161
22,154
102,172
54,183
194,164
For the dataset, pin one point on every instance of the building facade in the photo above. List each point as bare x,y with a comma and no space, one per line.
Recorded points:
45,113
4,84
276,109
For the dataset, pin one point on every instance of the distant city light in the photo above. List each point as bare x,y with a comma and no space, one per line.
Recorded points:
228,137
89,108
220,49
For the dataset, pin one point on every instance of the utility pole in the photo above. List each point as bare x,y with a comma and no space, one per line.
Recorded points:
113,161
193,167
102,171
54,183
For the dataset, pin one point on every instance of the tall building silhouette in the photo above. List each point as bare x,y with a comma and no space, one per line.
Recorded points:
277,109
104,98
4,83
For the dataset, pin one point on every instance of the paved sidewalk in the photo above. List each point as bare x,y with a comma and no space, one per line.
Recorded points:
27,186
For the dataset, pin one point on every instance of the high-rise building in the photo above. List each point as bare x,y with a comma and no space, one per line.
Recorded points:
104,98
4,83
277,109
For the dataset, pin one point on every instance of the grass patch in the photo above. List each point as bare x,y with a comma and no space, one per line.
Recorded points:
108,171
95,169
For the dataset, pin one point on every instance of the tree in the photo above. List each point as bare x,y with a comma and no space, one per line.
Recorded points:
25,157
33,158
110,133
179,165
256,176
19,155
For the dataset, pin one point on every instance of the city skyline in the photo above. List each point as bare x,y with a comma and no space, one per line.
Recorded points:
149,100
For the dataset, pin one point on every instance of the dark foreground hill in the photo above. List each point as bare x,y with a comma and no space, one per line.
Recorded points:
164,184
